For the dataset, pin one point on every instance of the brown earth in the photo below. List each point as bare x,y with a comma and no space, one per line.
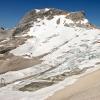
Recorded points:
15,63
86,88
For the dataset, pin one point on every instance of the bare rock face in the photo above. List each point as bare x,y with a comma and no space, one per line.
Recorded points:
76,16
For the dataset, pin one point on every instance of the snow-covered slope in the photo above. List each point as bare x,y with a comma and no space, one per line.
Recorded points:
59,40
61,44
49,44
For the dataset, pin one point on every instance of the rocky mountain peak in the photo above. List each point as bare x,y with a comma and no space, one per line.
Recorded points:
41,13
49,13
77,19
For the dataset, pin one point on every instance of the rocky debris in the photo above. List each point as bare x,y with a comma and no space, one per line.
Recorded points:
14,63
12,43
22,29
6,49
98,63
76,16
62,76
35,86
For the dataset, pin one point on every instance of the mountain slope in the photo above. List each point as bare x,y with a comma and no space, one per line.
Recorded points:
49,44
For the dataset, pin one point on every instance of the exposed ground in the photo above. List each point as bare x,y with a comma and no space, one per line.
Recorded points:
86,88
17,63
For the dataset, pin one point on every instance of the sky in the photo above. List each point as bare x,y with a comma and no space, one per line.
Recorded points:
11,11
